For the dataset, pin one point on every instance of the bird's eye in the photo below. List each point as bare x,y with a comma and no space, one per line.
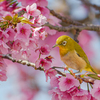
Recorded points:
64,42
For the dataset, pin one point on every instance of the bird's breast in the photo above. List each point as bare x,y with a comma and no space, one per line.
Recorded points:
72,60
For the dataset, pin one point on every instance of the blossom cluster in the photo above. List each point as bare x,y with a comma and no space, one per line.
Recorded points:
68,88
22,37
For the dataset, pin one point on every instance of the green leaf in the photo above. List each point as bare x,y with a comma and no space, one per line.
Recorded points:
94,76
8,18
24,20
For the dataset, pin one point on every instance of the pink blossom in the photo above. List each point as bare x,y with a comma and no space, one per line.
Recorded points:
1,13
2,65
40,20
4,5
11,33
90,97
33,56
23,32
44,50
43,34
26,2
42,3
1,33
4,36
35,34
32,44
96,90
53,20
3,76
43,63
3,47
50,73
39,33
73,90
17,45
56,94
66,95
54,81
50,31
80,95
24,54
32,10
44,11
68,82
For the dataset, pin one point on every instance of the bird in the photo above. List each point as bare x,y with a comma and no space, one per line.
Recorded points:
72,54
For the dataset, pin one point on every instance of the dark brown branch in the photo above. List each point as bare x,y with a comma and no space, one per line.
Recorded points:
65,29
87,80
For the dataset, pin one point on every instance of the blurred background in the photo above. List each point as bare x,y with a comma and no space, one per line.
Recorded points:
25,83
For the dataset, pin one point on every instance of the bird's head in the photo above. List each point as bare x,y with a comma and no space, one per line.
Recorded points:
62,41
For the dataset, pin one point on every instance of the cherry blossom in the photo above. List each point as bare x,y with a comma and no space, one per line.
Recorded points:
96,89
54,81
56,94
23,32
26,2
44,50
50,73
81,94
32,10
3,47
43,63
67,82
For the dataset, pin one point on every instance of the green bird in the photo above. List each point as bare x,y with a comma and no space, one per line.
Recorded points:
72,54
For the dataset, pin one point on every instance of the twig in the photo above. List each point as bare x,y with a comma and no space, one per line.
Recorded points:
57,67
61,73
71,27
76,35
88,4
64,19
24,62
87,80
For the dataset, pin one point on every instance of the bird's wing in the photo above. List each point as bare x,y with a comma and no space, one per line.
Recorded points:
81,53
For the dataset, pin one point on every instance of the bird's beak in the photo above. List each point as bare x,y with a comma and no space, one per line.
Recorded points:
55,45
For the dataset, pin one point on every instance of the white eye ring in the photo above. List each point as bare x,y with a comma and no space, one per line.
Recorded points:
64,43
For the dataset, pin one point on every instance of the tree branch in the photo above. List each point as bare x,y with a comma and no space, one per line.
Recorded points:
87,80
64,19
88,4
71,27
25,62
